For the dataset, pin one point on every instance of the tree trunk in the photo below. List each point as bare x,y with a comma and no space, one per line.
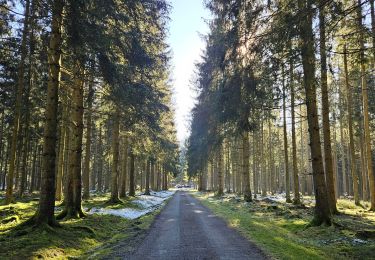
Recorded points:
271,163
158,178
100,160
152,177
366,118
328,165
86,172
17,111
255,165
286,158
124,171
322,212
220,188
351,134
148,172
33,169
132,175
245,167
165,181
73,200
60,166
115,154
45,212
263,163
296,199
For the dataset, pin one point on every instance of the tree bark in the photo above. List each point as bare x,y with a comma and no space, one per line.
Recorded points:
351,134
148,172
322,212
86,169
245,167
124,171
366,118
132,175
100,160
73,200
296,199
115,154
45,212
60,165
328,165
220,187
18,103
286,157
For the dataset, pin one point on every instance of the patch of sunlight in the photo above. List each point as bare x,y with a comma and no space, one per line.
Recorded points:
49,253
171,220
308,252
256,223
198,211
259,214
235,223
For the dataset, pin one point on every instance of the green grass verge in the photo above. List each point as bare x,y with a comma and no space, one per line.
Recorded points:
281,230
94,235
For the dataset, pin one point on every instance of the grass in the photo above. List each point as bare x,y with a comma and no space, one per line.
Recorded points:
93,235
281,229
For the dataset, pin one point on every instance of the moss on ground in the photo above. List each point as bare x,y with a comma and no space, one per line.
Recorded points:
281,229
94,234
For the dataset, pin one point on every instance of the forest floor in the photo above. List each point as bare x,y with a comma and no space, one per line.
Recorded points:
94,235
282,230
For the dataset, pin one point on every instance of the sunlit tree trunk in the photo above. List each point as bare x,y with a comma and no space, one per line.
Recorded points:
165,180
263,161
60,169
328,165
322,212
86,169
255,165
350,126
286,157
220,186
245,167
18,103
73,196
366,119
45,212
296,199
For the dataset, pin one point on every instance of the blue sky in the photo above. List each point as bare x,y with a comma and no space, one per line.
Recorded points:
186,25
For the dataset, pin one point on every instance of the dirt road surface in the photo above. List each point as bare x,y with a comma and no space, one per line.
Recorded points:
185,229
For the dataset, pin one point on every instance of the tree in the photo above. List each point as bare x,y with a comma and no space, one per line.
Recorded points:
17,114
45,213
322,210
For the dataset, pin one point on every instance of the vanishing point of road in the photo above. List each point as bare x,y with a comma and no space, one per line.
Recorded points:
186,229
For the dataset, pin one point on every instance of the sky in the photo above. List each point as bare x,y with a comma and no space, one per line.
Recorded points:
186,25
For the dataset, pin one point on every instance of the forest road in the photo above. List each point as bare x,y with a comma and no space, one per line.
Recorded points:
186,229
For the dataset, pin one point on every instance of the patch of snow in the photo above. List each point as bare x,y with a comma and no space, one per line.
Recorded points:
359,241
124,213
162,194
281,198
156,198
148,203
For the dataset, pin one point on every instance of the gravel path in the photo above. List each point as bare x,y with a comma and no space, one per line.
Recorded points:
185,229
